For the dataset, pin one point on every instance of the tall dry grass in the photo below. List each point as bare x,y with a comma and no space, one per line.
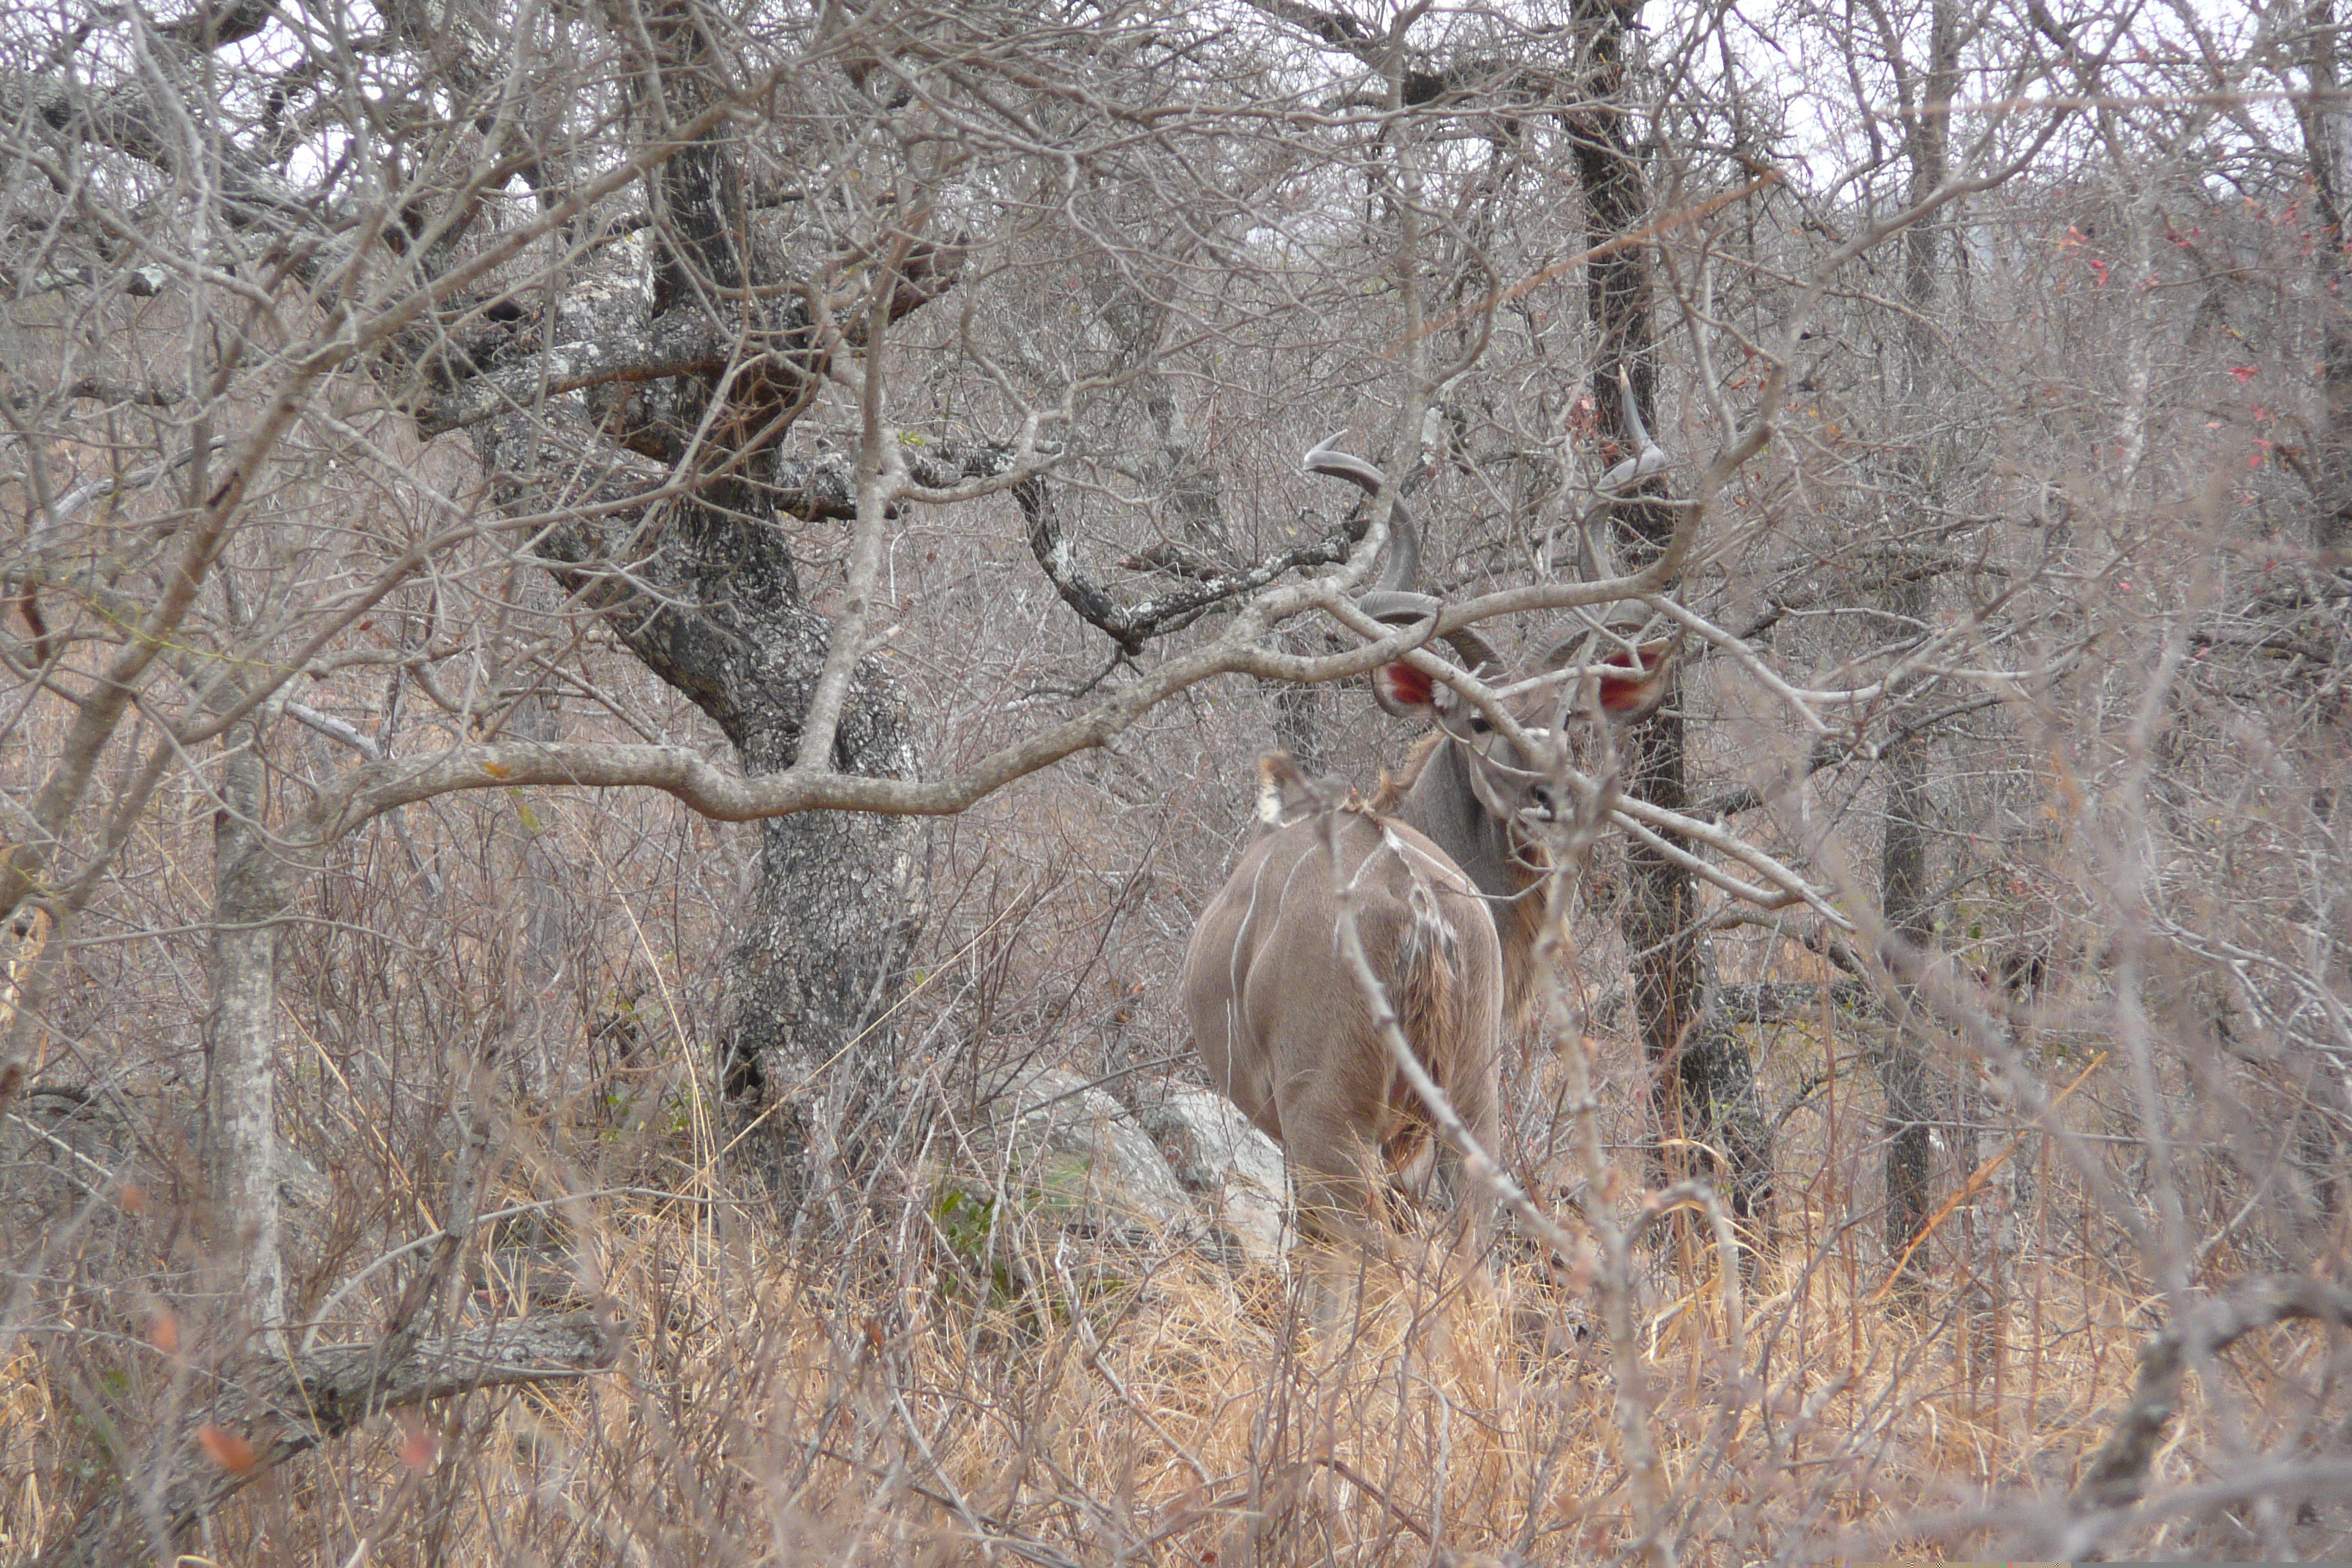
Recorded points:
855,1401
923,1386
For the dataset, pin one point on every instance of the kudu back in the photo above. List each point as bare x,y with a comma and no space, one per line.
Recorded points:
1443,868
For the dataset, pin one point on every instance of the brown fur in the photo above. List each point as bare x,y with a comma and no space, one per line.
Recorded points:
1427,996
1286,1030
1440,868
1393,785
1519,923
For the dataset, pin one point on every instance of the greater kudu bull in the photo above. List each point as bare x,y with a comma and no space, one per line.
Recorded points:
1443,867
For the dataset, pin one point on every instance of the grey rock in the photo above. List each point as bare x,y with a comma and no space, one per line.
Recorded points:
1235,1170
1079,1158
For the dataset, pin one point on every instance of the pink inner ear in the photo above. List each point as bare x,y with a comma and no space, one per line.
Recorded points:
1404,687
1645,659
1617,695
1630,691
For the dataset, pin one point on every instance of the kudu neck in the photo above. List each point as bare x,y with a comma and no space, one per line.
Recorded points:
1447,810
1443,803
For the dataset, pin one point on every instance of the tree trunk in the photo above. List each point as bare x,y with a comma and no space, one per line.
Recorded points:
241,1039
1902,1060
823,949
1703,1081
722,615
827,941
2327,142
532,912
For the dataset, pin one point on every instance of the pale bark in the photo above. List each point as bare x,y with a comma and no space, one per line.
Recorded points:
532,911
241,1037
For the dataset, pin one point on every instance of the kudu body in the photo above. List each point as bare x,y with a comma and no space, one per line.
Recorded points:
1441,870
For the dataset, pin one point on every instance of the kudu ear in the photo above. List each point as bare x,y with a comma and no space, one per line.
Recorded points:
1634,681
1649,675
1405,692
1284,795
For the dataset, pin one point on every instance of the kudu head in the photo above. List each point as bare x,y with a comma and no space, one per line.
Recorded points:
1501,793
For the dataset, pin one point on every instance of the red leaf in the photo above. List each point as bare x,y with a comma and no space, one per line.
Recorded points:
419,1447
226,1449
2245,371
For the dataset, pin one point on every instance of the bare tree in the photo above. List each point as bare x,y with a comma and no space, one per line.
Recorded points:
1703,1085
471,456
1906,891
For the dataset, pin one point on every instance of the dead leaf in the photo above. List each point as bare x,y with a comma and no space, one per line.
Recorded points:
227,1449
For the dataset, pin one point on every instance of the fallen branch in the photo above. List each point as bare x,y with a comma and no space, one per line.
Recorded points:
1778,1001
288,1410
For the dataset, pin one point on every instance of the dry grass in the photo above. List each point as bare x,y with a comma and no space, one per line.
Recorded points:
915,1393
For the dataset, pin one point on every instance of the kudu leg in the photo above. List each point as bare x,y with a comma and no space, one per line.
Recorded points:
1477,1099
1338,1177
1339,1230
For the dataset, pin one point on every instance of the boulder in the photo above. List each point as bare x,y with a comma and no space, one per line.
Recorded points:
1234,1170
1078,1158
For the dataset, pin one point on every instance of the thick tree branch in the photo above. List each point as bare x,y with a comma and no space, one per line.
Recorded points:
679,343
711,791
1130,625
213,26
1779,1001
125,121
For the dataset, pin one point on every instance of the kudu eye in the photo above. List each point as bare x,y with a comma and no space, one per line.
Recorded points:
1478,725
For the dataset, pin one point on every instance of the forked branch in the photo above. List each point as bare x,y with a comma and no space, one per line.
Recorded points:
2118,1471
